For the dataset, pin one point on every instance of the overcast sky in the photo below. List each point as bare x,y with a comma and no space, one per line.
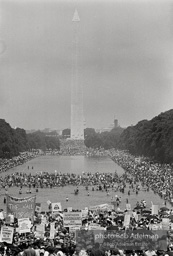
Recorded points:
125,61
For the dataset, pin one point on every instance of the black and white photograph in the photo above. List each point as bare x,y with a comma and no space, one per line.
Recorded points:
86,127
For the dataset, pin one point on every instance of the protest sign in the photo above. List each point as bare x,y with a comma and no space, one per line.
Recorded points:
52,230
9,219
69,209
84,214
126,220
38,207
40,229
155,209
56,207
165,223
156,226
73,228
24,225
44,220
6,234
1,215
21,207
95,226
72,218
128,207
48,202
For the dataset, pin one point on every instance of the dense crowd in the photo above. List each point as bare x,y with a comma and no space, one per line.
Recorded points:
138,172
64,242
158,177
6,164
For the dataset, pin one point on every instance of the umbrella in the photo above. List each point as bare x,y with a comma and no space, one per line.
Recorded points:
146,211
150,217
164,209
120,217
138,207
165,214
112,228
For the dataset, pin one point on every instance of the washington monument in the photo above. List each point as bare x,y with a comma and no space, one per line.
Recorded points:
77,118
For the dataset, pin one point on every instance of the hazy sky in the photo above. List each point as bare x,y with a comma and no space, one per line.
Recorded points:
125,61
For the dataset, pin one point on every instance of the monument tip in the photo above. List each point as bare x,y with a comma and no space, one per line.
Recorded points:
76,16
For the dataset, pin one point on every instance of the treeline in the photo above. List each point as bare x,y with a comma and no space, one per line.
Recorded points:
153,139
106,140
13,141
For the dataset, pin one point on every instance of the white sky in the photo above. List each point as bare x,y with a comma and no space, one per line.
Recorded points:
125,61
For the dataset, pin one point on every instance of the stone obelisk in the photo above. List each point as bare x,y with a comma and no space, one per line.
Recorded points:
77,118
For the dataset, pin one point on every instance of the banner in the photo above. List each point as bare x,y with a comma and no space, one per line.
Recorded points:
123,240
72,218
24,225
101,207
56,207
6,234
21,207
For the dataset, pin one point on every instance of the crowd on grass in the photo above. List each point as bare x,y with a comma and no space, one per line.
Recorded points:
6,164
64,241
139,173
158,177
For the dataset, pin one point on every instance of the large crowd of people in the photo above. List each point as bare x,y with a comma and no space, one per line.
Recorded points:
158,177
6,164
138,172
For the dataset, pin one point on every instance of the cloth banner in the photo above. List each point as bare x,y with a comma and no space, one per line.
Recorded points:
21,207
101,207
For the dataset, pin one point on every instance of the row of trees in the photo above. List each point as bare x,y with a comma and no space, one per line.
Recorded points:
106,140
93,139
13,141
152,138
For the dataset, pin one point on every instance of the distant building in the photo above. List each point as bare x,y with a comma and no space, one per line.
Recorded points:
109,128
115,123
